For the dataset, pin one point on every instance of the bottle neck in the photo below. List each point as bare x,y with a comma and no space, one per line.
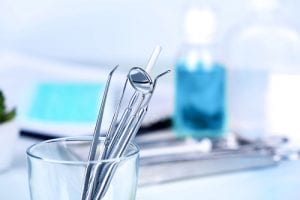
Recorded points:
199,41
207,53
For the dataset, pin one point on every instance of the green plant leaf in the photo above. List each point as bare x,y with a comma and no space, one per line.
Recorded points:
10,115
2,103
5,115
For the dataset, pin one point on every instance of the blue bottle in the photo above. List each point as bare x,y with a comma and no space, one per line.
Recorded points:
200,109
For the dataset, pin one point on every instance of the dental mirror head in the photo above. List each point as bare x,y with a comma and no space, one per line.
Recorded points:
140,80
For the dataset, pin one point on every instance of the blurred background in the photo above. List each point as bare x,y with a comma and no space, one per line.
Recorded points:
235,67
106,32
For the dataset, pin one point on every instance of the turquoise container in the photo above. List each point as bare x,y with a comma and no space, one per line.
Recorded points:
200,107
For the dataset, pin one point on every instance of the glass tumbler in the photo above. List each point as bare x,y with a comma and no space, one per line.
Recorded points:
57,167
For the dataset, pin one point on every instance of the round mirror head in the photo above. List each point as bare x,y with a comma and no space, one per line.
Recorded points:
140,80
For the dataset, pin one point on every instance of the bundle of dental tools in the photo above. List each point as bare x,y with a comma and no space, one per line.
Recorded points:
123,127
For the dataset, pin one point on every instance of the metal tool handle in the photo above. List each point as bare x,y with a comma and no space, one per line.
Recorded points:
94,145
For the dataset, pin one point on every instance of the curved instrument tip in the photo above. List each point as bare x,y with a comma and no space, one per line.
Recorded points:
162,74
113,70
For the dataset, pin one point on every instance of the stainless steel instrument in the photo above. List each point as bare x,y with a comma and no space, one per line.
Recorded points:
170,159
123,128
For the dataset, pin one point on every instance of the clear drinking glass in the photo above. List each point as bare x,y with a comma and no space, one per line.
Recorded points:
57,167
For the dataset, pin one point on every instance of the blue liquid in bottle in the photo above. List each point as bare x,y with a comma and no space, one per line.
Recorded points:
200,99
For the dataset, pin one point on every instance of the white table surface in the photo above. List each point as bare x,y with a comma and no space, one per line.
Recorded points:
277,183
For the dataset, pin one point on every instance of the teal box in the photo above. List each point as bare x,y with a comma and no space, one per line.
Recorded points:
66,102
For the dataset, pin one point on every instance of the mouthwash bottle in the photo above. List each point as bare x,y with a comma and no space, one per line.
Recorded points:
200,79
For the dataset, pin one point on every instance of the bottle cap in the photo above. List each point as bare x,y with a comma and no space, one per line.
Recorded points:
200,25
264,5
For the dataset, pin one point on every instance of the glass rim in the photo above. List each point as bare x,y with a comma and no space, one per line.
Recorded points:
31,154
